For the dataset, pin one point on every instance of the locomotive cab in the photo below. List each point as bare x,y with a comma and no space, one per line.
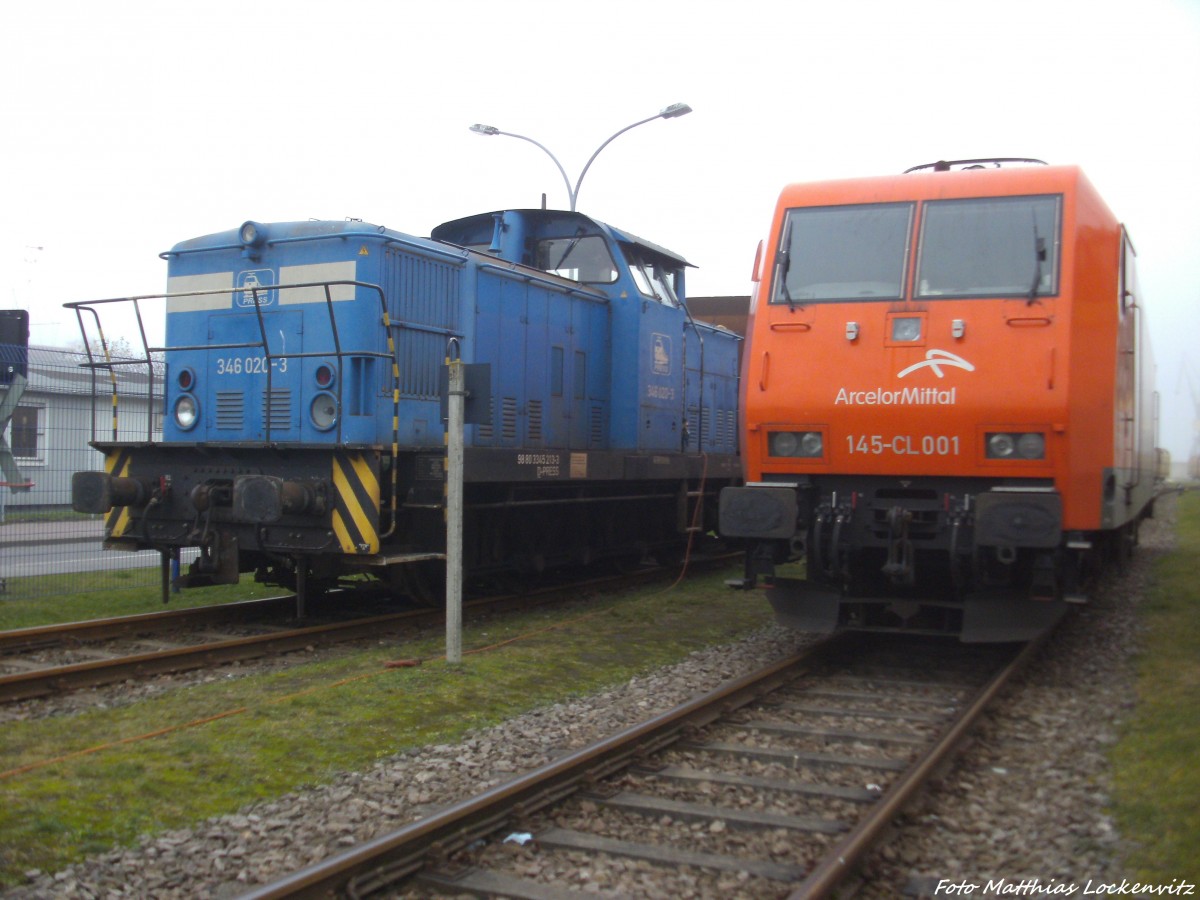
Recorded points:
671,368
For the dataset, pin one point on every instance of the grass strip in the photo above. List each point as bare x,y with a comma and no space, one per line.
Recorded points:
1157,781
54,599
305,725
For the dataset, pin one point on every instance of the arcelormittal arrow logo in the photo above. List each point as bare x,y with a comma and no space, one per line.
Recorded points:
935,359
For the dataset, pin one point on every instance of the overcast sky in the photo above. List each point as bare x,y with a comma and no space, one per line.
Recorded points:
129,126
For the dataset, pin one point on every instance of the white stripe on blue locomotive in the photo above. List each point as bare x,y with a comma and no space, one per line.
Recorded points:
313,274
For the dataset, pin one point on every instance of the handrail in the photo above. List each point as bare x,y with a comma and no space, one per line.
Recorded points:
262,345
108,364
700,394
1135,463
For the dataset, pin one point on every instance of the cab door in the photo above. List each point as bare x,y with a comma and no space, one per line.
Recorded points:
661,370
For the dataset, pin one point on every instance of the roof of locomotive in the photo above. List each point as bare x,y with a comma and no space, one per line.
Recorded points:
466,232
280,231
1070,181
478,229
934,185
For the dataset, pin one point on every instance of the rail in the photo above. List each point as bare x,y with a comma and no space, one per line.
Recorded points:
391,857
431,847
99,652
841,859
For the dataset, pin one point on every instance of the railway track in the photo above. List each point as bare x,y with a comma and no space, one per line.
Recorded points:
139,654
774,785
45,637
48,660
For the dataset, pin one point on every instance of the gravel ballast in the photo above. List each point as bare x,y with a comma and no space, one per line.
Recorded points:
1024,806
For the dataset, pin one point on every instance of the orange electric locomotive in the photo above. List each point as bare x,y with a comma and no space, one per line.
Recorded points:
949,409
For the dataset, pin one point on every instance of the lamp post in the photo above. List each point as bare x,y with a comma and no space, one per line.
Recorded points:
671,112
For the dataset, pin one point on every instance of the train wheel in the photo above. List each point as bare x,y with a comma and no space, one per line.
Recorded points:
1127,540
309,586
631,562
422,582
1118,546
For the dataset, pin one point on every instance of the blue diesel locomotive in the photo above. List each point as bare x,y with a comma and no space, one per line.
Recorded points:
302,429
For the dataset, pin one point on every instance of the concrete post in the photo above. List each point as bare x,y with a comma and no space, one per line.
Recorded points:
454,509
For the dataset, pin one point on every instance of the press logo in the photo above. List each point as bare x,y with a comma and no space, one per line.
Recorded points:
935,359
256,285
662,354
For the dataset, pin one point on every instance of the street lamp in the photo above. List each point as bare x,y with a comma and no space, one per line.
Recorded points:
671,112
489,130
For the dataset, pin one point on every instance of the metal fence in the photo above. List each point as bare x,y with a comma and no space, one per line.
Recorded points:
51,406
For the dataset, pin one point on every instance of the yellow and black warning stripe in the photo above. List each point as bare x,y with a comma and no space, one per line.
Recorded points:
356,502
391,347
118,519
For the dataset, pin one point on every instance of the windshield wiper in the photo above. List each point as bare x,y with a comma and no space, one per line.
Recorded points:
783,265
570,249
1039,256
648,275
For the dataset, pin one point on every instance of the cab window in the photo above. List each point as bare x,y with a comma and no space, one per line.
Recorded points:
989,247
653,279
837,253
585,259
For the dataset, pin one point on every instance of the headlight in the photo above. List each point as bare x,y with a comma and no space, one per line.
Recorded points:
323,411
803,444
906,329
810,443
252,234
785,443
186,411
1031,446
1000,446
1018,445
